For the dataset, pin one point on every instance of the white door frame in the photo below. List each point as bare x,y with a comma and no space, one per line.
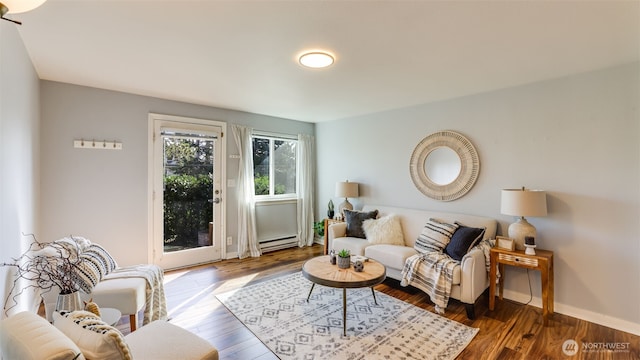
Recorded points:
155,231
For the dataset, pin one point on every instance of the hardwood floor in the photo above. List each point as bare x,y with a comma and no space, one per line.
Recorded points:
512,331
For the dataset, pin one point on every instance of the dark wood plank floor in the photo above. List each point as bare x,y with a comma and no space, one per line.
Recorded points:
512,331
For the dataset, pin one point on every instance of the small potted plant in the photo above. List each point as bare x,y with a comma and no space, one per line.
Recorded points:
344,259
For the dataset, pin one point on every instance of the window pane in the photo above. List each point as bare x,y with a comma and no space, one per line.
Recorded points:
284,163
188,188
261,165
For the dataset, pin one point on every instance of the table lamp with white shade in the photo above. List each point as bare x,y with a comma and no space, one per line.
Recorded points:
346,190
523,202
17,6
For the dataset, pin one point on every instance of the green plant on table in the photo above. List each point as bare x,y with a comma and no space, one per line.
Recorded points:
344,253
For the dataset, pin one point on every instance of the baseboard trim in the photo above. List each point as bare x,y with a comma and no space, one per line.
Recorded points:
587,315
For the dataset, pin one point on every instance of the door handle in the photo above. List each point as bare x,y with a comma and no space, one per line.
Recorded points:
217,200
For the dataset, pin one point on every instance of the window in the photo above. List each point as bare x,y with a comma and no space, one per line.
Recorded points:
274,166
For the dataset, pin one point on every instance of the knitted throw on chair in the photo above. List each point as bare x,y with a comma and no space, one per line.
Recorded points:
156,303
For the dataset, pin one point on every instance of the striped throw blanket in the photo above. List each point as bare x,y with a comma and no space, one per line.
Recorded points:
156,303
432,273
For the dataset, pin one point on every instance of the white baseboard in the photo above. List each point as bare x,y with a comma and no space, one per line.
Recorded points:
231,255
609,321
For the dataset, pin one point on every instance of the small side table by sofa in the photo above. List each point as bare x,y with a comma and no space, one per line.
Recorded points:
328,222
541,261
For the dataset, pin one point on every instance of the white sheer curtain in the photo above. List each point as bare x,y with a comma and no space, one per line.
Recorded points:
247,234
305,176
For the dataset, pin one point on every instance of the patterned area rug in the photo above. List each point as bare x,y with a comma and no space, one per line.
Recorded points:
277,312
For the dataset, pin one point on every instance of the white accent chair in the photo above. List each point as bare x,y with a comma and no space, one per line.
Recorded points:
126,295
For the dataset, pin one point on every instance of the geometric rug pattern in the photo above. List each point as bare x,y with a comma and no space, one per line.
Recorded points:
278,313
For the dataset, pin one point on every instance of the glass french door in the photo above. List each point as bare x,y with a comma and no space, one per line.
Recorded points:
188,225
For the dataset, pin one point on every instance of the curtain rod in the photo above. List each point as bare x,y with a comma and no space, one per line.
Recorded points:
274,134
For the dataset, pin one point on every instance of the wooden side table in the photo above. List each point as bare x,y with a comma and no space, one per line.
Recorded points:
541,261
328,222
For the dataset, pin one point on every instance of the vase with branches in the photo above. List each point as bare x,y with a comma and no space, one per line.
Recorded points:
46,267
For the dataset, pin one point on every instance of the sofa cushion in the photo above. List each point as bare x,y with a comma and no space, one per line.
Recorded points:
96,339
354,221
435,236
87,275
101,257
27,336
97,263
78,243
385,230
463,240
392,256
355,246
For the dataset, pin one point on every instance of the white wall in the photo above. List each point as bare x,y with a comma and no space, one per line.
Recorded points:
577,137
103,194
19,150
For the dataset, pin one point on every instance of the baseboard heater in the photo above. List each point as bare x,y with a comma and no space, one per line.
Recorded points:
276,225
278,244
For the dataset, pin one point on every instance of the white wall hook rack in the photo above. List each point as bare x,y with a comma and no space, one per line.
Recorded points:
97,144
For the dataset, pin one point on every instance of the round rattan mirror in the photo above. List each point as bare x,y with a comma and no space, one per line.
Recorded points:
436,170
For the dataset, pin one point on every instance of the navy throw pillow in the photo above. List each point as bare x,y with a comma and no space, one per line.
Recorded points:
463,240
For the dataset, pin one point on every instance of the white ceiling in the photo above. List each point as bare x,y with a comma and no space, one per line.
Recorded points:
242,55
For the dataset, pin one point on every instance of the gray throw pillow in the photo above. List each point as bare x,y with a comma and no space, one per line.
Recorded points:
354,221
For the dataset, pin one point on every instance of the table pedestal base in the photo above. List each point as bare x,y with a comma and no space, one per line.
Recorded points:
344,305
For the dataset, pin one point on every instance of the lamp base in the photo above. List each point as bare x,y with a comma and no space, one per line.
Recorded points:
530,249
519,229
344,205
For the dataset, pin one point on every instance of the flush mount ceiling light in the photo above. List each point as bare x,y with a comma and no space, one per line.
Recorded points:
316,59
18,6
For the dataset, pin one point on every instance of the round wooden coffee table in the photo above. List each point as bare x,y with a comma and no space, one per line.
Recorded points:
320,271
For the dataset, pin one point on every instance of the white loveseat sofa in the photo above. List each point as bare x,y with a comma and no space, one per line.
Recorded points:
470,279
